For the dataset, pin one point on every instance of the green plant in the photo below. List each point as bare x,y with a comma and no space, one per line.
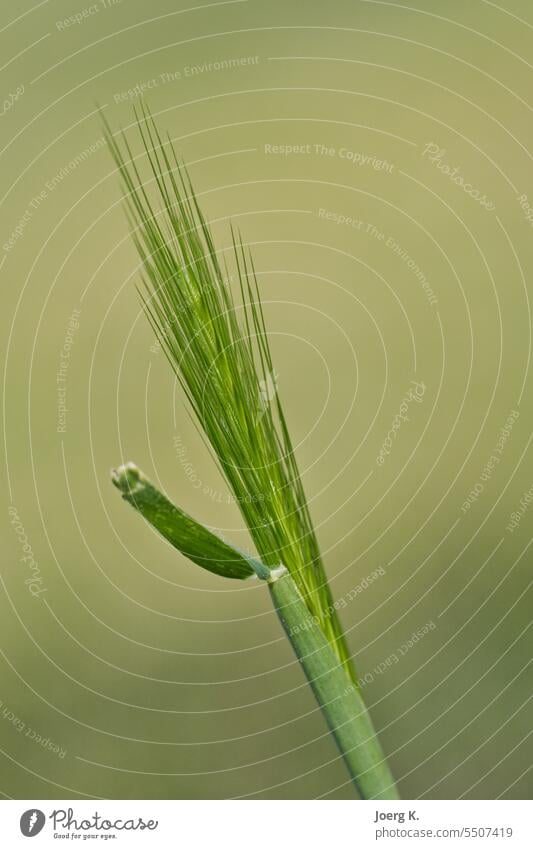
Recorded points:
219,351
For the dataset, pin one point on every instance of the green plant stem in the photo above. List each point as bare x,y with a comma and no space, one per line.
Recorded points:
339,699
341,702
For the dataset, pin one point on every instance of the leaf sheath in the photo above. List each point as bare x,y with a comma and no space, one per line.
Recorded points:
341,702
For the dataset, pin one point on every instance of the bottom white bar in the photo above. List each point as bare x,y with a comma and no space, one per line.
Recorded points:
262,824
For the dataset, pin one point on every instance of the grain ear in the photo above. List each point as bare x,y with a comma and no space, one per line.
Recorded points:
209,321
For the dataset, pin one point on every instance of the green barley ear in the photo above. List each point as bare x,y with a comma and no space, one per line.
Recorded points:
219,350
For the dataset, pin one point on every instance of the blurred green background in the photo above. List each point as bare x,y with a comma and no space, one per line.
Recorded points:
149,677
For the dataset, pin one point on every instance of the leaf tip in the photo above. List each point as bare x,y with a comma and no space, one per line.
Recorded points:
128,478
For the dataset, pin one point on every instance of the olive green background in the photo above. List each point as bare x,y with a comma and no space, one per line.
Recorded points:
158,680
